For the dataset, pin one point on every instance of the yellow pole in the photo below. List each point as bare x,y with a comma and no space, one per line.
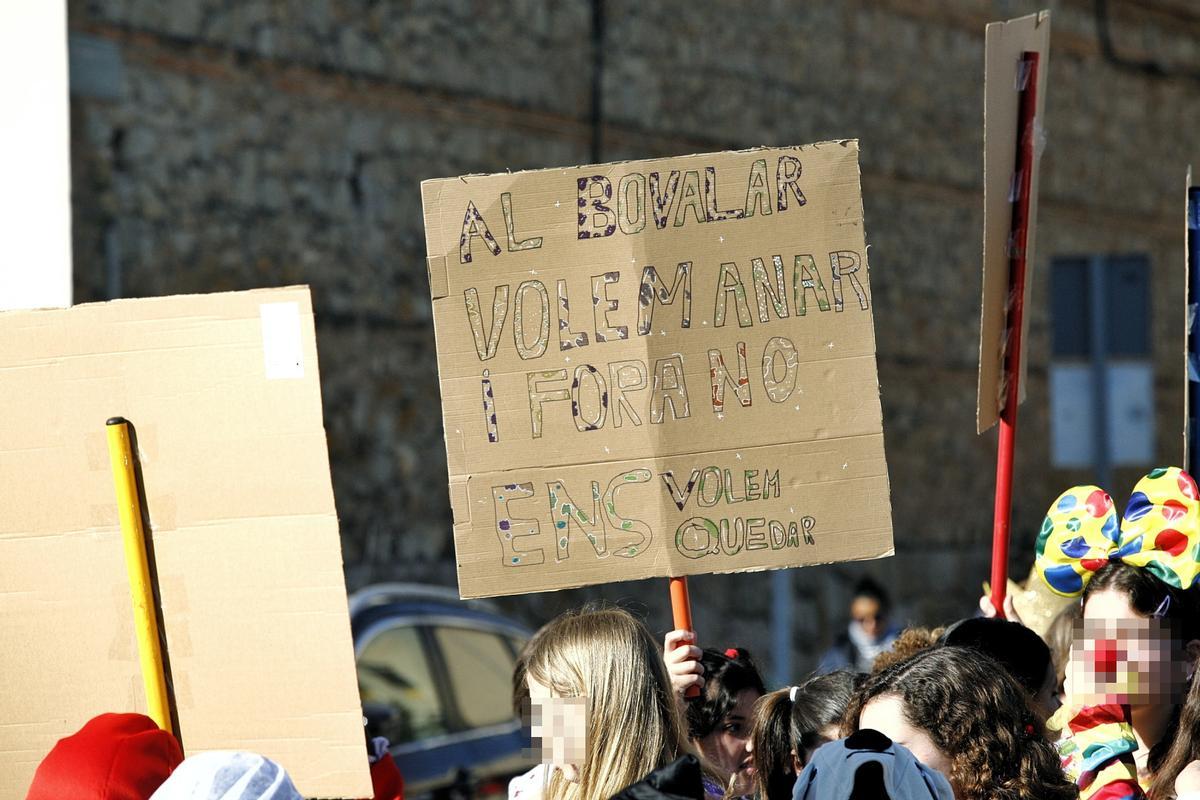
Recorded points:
141,590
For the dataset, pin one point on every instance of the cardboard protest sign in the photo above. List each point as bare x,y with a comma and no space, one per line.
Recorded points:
657,368
1005,43
224,394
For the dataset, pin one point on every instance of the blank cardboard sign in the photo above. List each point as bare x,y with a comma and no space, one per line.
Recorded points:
657,368
224,395
1005,43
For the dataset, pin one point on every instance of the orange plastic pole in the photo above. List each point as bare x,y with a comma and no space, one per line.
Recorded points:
681,614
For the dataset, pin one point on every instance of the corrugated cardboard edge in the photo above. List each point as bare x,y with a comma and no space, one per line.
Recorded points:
991,354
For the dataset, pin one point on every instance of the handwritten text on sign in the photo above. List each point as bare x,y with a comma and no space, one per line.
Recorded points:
657,367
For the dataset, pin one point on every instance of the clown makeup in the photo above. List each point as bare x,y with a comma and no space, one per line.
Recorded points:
559,729
1129,660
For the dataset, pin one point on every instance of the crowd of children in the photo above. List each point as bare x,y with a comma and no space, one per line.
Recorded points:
1098,704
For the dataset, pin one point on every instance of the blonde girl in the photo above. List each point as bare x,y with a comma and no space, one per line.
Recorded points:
608,714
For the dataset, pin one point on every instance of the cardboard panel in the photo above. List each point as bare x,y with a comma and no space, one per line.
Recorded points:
636,380
1005,43
224,394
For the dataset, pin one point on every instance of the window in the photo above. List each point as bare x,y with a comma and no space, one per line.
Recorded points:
398,688
1101,373
480,667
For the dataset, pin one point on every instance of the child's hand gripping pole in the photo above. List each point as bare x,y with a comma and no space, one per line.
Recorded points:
681,613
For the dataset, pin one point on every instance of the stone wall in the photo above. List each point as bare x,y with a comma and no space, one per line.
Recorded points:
229,145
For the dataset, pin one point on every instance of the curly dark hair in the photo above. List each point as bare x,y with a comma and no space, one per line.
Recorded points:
977,715
910,641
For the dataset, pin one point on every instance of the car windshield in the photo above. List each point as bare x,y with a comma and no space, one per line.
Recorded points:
398,689
480,667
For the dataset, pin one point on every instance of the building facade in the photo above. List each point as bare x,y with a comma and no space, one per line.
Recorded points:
222,145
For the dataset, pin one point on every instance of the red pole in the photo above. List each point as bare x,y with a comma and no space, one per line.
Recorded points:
1016,313
681,613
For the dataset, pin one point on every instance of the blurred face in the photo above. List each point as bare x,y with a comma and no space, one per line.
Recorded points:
886,714
559,728
1120,656
729,745
867,612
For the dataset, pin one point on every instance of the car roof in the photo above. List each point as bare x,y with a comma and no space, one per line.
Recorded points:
385,593
380,602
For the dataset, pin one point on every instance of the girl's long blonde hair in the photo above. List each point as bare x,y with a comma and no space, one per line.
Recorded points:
633,724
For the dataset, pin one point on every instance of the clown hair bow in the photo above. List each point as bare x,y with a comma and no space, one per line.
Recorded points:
1160,532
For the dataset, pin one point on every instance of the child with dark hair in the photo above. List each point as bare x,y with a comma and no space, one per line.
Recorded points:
1019,650
790,724
959,712
718,720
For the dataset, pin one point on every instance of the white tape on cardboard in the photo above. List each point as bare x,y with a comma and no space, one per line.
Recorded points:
283,356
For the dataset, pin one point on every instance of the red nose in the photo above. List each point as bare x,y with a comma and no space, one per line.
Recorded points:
1105,659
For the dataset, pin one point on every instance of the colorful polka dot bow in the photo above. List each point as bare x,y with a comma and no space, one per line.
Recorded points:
1160,532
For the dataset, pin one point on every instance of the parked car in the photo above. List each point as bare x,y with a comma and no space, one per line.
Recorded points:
435,674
